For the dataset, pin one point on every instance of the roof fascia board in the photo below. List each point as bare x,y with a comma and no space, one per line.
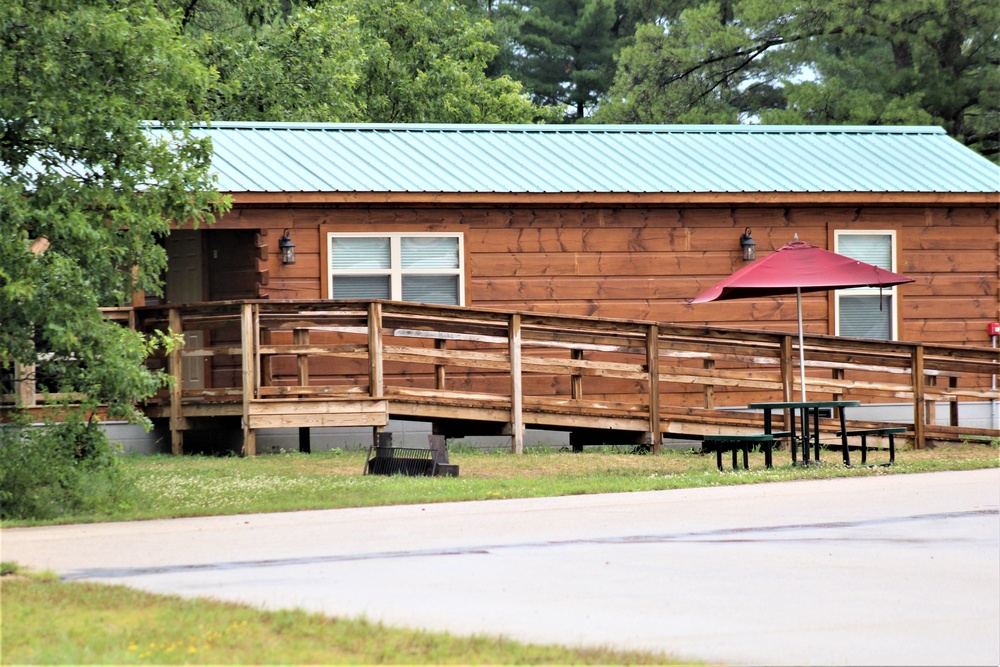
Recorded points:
622,199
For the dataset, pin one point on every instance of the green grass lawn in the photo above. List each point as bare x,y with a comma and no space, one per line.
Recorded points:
49,622
167,486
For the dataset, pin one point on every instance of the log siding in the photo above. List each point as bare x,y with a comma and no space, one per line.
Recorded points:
646,262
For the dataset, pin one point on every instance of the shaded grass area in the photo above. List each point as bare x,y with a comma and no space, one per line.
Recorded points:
48,622
200,486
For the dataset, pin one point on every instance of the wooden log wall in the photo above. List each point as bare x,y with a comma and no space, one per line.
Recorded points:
646,263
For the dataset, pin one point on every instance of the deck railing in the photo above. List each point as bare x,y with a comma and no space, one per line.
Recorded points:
514,366
324,363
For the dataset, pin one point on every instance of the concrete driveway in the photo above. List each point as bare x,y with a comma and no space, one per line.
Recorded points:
881,570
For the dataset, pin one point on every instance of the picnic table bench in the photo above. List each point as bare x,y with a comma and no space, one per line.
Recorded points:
863,433
737,442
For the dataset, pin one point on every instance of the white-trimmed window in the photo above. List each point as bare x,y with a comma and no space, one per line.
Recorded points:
867,312
420,267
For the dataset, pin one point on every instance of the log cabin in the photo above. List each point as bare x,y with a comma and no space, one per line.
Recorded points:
616,226
623,222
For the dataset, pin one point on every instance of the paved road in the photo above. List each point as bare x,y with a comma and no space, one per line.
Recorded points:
887,570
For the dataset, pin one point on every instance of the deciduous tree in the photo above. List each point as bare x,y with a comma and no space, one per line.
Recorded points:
426,61
806,61
303,65
86,191
353,60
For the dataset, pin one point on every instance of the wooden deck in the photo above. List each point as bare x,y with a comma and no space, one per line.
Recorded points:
279,364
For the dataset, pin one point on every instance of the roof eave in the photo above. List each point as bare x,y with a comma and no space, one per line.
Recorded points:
624,199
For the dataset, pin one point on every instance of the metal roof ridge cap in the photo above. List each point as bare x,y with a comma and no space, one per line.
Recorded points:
567,129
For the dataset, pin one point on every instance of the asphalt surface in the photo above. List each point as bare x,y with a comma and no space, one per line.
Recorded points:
882,570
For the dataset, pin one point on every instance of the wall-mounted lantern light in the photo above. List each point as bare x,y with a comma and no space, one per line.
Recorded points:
287,249
749,246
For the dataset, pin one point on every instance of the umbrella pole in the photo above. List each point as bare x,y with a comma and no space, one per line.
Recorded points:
802,352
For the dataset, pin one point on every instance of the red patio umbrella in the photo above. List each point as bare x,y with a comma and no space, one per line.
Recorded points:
799,267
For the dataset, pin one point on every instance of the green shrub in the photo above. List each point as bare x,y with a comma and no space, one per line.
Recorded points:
60,468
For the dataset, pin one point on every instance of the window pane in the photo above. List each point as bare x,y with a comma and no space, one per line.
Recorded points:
361,287
872,248
431,289
348,252
429,252
866,316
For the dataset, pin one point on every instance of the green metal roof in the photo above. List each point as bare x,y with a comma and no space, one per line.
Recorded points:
282,157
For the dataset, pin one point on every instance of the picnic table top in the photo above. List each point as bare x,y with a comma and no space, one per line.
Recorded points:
781,405
740,437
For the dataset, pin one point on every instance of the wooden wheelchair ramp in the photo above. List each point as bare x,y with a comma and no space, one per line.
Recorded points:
304,364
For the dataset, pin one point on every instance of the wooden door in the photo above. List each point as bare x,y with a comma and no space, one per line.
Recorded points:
185,284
